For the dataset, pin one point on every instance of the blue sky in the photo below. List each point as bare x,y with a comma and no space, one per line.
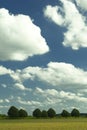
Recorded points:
43,48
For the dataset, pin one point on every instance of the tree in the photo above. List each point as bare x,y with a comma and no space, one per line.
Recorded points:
13,112
44,114
75,113
65,113
51,113
22,113
37,113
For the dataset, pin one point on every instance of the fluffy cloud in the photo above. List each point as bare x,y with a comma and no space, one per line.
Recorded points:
20,38
1,101
35,103
56,73
21,87
4,71
68,16
46,92
82,4
56,76
7,100
4,106
54,16
73,96
60,95
59,99
4,85
59,74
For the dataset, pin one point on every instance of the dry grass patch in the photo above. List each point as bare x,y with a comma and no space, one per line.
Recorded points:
44,124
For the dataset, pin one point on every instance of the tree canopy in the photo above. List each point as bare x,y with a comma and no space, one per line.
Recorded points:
37,113
13,112
51,113
22,113
44,114
75,113
65,113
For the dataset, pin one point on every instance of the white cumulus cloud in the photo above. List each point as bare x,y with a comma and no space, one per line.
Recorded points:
68,16
21,87
20,38
4,70
82,4
56,73
52,13
29,102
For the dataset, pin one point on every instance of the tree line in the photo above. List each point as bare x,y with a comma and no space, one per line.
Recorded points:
14,112
38,113
51,113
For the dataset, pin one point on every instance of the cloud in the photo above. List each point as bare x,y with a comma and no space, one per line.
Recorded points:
60,99
1,101
51,92
54,16
73,96
82,4
21,87
59,96
69,17
20,38
58,74
4,70
58,83
32,102
7,100
4,85
4,106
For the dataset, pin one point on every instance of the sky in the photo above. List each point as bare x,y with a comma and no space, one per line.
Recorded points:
43,49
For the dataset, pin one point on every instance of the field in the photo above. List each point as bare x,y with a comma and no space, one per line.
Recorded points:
44,124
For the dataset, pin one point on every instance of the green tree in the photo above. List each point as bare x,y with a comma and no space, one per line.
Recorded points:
13,112
37,113
22,113
65,113
51,113
44,114
75,113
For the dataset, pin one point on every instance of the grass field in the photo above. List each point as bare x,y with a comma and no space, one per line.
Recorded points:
44,124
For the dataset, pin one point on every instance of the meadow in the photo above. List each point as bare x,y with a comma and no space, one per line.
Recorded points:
44,124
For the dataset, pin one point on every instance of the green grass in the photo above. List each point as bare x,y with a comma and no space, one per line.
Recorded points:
44,124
